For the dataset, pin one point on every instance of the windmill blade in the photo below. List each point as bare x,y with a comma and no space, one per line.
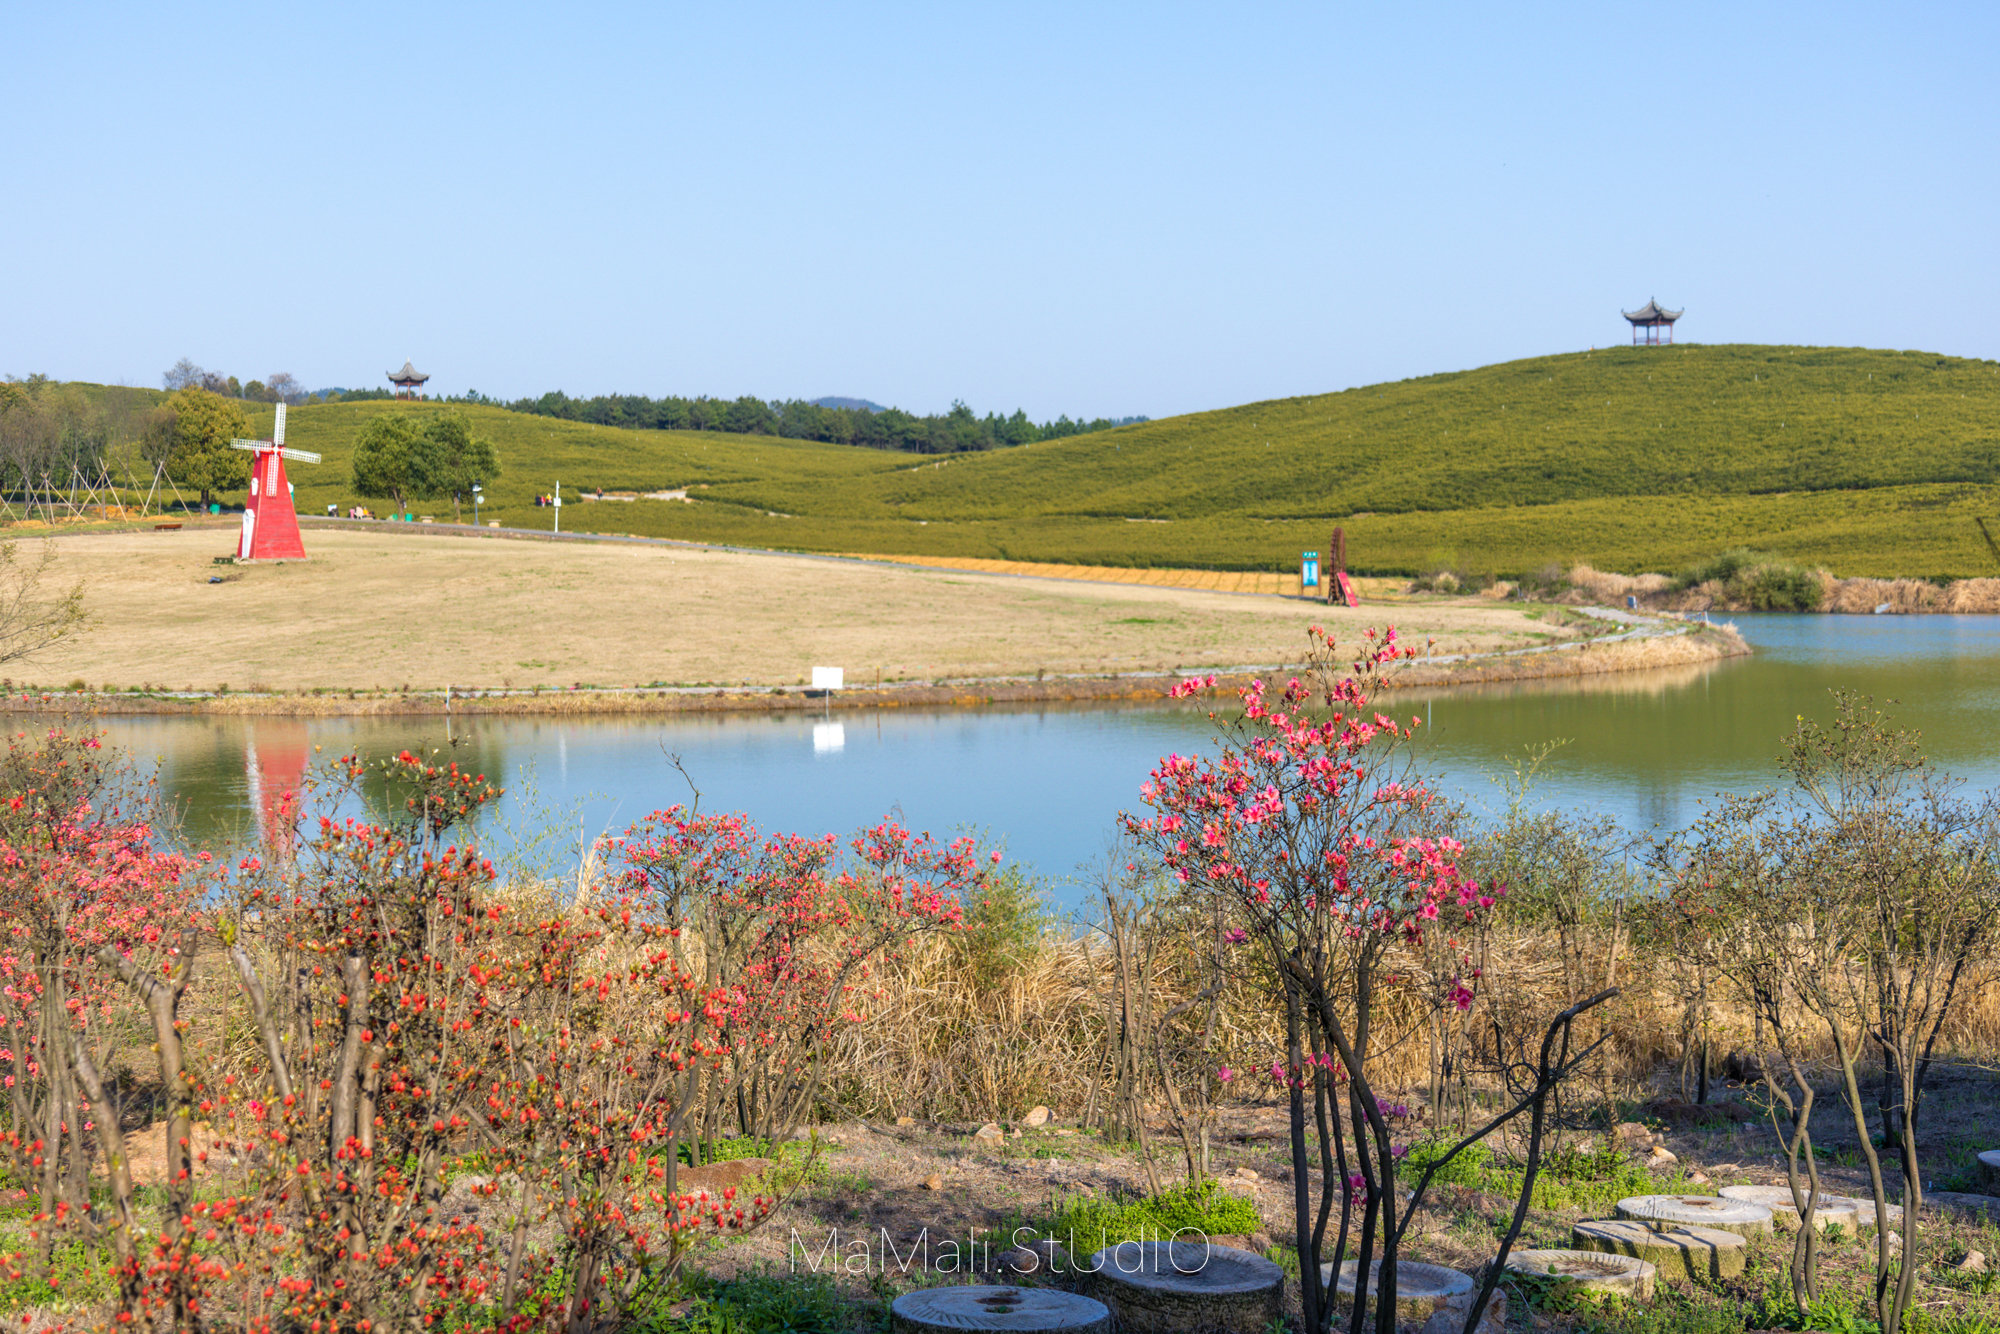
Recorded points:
249,446
278,434
300,455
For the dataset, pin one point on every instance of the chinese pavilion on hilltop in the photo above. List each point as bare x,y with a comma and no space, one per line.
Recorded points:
409,381
1649,317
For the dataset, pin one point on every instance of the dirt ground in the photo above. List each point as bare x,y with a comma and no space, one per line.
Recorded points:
877,1178
382,610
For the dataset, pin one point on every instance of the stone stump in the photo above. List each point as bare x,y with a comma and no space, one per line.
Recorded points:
1685,1252
1989,1169
991,1307
1156,1287
1986,1208
1830,1210
1697,1211
1864,1211
1597,1274
1421,1289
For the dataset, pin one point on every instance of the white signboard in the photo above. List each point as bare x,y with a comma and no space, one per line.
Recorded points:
829,678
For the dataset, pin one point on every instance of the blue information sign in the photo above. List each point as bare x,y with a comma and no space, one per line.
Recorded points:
1309,569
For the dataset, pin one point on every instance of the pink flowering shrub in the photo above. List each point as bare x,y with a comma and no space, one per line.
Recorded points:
1335,862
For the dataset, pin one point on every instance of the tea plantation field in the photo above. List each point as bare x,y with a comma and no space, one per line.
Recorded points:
1866,461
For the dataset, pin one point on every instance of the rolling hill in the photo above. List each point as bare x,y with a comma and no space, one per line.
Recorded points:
1869,462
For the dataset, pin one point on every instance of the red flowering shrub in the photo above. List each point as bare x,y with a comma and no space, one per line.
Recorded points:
785,942
1329,856
392,1100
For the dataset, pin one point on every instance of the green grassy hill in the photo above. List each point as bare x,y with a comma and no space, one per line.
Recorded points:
1869,462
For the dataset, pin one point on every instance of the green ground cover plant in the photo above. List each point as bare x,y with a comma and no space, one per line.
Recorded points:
1088,1225
1865,461
1570,1177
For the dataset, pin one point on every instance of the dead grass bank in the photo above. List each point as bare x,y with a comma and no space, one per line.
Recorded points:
392,616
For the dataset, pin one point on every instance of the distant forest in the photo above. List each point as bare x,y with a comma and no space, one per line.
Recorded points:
954,432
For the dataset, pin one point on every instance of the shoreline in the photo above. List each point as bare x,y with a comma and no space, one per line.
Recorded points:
1645,649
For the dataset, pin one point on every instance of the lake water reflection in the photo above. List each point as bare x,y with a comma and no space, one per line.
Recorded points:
1646,747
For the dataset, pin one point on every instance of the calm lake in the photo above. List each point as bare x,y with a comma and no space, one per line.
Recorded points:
1047,781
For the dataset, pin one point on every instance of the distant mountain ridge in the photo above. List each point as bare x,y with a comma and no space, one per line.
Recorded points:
853,404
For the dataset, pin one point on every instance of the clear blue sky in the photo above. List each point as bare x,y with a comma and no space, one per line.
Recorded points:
1070,208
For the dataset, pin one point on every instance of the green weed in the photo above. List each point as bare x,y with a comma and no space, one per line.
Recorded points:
1569,1178
1086,1226
1830,1313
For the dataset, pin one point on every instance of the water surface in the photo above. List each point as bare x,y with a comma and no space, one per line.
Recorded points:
1049,781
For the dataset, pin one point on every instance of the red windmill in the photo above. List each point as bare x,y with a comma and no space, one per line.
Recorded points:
270,524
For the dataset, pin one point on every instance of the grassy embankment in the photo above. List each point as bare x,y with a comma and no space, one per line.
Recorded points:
1865,462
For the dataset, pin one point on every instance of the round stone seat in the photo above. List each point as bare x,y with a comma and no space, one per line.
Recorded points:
995,1307
1698,1211
1156,1287
1831,1210
1593,1273
1989,1168
1682,1252
1864,1212
1420,1288
1986,1208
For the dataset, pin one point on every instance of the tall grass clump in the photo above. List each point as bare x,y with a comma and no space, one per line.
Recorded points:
1755,580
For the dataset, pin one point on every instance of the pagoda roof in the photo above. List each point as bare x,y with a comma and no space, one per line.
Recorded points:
1652,311
408,375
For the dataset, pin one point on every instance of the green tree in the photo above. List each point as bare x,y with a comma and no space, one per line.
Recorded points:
194,444
460,458
393,457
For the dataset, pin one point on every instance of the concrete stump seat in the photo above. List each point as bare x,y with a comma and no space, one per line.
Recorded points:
1157,1287
1420,1288
1831,1209
1686,1252
1864,1211
1697,1211
1594,1273
1989,1168
994,1307
1984,1207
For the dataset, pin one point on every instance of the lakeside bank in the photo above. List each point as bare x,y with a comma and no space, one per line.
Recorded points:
1643,648
381,621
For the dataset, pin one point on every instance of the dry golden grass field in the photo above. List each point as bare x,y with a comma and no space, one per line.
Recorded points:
382,610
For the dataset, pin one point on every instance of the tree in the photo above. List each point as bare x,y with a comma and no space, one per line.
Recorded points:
32,617
283,387
392,457
47,429
460,458
183,374
195,448
1909,873
1309,831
